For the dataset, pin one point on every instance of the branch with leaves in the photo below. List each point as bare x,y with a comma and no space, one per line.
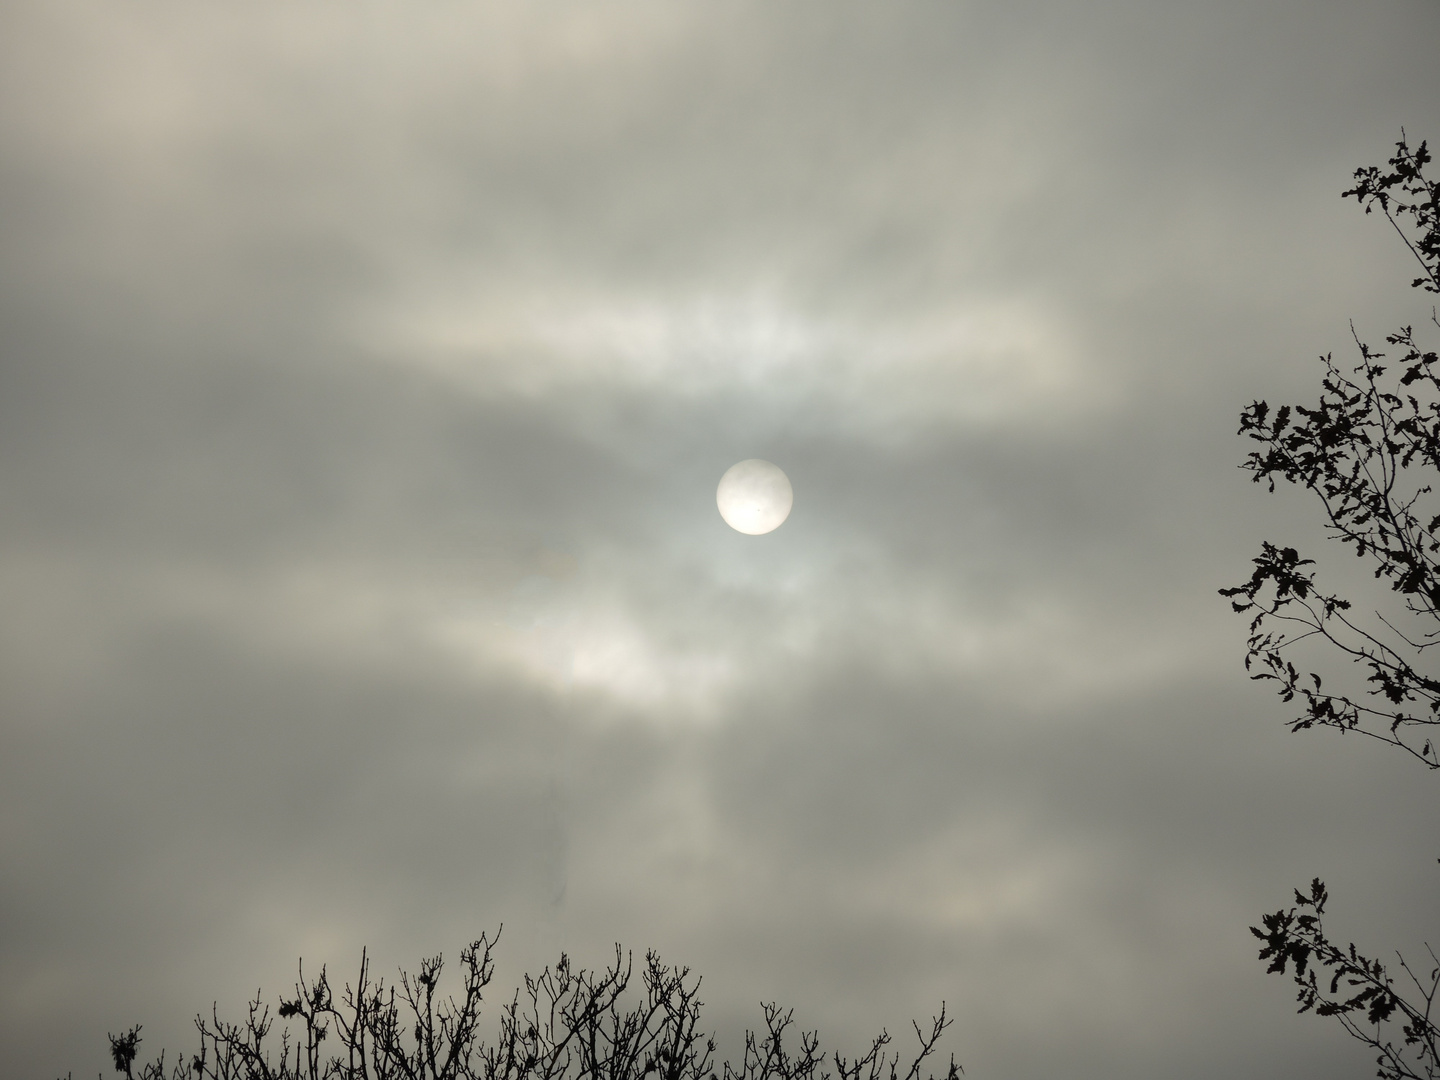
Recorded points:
1368,450
1368,1006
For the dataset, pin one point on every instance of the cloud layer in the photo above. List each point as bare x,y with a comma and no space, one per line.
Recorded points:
367,376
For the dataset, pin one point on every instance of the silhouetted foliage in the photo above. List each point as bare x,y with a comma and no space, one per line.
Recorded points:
1370,992
1369,449
566,1024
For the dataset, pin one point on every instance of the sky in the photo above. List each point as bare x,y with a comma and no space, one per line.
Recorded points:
366,374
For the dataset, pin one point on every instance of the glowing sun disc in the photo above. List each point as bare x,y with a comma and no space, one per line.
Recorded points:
754,497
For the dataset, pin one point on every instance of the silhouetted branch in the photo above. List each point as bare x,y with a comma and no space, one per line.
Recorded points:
1368,450
567,1023
1369,1005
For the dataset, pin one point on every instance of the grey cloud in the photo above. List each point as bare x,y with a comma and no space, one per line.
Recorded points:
367,376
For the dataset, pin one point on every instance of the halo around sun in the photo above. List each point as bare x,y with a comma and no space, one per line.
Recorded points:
754,497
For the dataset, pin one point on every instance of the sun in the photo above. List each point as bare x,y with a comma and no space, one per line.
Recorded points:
754,497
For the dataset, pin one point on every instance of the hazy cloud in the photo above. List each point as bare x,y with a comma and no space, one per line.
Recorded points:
367,375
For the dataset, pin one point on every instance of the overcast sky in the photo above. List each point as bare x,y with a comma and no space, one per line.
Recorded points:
368,370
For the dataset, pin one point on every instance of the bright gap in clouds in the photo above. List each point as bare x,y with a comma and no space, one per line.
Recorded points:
989,361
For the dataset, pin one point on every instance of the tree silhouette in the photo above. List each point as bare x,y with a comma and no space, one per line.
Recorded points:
566,1024
1369,450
